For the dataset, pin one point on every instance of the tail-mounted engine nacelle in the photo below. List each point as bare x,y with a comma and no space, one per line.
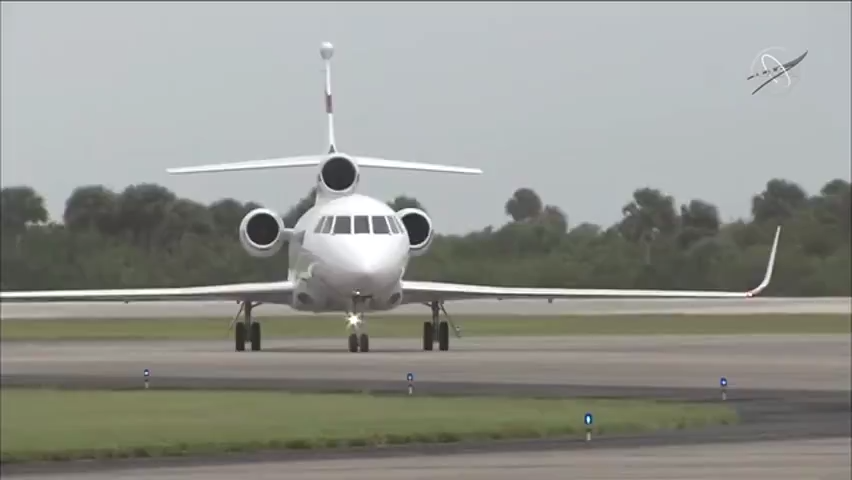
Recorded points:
339,175
419,228
262,232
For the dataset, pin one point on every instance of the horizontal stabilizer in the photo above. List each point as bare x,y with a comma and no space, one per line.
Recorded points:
314,160
287,162
370,162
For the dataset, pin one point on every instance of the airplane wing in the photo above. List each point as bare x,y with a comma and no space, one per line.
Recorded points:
422,292
273,292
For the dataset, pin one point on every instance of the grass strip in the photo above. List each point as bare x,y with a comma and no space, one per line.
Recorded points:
409,327
40,425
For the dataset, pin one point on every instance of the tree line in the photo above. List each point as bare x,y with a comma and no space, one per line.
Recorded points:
146,235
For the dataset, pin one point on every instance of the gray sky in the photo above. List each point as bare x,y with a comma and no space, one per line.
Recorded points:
581,102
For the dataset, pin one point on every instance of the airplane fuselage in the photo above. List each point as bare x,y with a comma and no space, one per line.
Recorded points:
329,266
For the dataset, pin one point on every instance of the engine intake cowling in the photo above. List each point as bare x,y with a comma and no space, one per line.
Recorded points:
339,174
262,232
419,228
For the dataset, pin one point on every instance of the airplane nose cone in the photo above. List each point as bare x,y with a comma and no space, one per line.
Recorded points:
369,272
368,265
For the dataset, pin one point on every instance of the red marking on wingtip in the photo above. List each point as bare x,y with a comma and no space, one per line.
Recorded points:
328,103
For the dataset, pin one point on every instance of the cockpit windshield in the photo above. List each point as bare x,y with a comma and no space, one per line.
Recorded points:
361,224
342,225
393,225
320,224
380,226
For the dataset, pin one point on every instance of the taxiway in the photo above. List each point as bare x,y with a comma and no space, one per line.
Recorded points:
795,362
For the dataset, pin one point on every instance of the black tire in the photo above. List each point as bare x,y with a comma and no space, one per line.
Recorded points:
428,339
444,336
255,337
240,337
364,343
353,343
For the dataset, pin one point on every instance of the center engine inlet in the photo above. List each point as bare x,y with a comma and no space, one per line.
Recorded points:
339,174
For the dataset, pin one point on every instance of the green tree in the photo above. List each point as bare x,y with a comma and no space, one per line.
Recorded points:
142,210
650,215
698,220
778,201
402,201
92,207
21,206
524,204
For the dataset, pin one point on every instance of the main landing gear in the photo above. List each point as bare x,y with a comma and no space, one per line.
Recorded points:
247,330
358,339
438,330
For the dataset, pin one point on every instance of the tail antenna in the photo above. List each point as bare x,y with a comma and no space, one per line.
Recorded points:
327,51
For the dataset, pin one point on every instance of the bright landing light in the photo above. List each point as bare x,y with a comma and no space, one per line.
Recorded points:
353,320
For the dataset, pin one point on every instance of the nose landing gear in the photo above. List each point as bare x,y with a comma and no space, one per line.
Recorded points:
438,330
247,330
358,339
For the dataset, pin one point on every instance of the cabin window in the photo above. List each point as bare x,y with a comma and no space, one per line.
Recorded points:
393,226
361,224
380,226
342,225
326,225
320,224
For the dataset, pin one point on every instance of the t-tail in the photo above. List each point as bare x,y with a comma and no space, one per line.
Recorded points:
327,51
339,172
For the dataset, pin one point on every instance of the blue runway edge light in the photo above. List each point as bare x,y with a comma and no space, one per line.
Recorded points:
410,377
588,419
723,382
146,372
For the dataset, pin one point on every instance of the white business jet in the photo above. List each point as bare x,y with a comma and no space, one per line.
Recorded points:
348,254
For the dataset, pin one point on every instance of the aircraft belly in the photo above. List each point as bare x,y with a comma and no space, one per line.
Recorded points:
315,294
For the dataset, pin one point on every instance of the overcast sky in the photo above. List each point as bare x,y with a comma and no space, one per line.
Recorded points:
581,102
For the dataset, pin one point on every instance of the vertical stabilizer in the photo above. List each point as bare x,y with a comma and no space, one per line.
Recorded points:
331,150
326,51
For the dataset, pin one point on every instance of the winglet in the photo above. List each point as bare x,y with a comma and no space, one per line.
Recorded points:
769,268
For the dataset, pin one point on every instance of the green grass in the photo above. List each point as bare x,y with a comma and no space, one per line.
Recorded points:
62,425
409,326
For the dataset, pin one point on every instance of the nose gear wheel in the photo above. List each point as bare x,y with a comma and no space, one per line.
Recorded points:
358,340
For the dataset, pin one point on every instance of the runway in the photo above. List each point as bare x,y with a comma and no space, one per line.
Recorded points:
784,386
191,309
795,460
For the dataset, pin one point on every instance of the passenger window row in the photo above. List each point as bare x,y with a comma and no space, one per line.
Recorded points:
359,224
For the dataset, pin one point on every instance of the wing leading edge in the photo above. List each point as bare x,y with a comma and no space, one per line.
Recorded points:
417,292
273,292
